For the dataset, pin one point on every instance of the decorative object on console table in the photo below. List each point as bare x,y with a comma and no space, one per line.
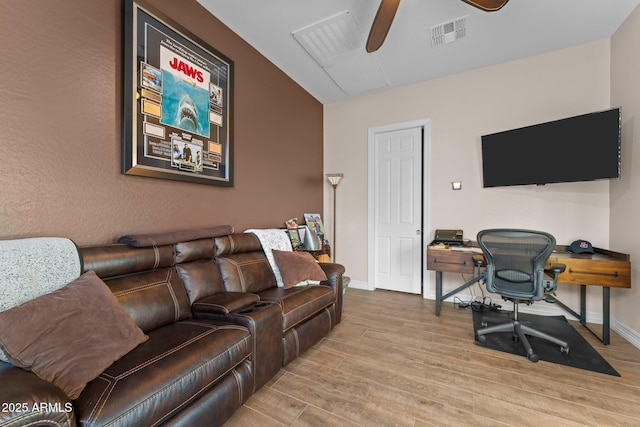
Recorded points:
334,179
302,232
293,233
321,255
314,237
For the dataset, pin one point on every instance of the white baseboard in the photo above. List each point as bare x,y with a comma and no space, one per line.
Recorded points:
359,284
626,332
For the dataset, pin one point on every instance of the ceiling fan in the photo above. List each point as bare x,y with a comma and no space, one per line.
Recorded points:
387,11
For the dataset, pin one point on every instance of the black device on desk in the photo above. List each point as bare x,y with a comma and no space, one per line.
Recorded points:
448,237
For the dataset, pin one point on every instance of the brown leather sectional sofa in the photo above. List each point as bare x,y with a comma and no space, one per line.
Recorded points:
219,328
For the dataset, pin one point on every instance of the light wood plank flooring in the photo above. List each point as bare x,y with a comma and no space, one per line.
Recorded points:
391,361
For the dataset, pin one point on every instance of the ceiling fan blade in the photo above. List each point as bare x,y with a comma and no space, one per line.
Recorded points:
381,24
488,5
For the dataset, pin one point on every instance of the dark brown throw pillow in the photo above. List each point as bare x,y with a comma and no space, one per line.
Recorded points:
70,336
298,268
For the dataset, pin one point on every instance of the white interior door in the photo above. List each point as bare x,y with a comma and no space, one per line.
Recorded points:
397,210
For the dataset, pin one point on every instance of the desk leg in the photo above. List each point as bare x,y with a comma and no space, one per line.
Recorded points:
438,292
440,297
606,311
606,294
582,316
583,304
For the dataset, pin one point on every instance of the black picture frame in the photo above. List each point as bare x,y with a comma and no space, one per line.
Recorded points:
177,102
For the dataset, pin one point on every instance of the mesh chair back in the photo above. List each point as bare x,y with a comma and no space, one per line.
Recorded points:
515,261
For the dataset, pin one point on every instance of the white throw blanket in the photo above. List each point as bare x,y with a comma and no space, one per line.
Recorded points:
33,267
271,239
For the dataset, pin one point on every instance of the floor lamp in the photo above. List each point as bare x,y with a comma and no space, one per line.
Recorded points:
334,179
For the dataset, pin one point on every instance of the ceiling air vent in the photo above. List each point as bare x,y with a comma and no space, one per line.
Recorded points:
448,32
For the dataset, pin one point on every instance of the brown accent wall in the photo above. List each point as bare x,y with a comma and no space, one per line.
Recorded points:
60,127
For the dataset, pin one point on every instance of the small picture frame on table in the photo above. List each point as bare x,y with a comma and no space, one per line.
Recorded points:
292,232
314,238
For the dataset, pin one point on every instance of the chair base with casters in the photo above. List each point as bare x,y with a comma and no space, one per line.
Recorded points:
520,332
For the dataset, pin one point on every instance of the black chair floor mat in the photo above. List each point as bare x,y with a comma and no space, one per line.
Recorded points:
581,354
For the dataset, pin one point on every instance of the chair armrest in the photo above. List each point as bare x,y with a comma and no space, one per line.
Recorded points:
27,399
478,260
557,268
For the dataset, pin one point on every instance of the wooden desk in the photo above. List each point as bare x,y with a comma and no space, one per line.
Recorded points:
604,268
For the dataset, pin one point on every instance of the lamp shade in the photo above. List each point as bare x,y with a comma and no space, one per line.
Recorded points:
335,178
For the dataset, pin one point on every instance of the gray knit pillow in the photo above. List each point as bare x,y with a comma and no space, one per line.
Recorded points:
33,267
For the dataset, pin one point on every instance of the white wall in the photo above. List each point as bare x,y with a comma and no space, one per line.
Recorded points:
462,108
625,193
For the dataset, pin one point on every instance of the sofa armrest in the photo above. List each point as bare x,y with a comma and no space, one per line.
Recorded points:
334,274
26,399
224,302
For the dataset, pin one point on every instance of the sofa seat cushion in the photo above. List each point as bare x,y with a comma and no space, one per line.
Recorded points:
300,303
155,380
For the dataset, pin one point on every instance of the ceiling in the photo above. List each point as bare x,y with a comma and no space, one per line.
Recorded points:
521,28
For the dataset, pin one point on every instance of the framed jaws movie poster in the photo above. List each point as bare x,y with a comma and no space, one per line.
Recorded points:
178,102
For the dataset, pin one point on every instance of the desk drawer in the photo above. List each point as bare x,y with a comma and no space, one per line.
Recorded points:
596,272
450,261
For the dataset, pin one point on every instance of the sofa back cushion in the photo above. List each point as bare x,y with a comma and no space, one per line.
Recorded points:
246,272
119,259
201,278
144,281
194,250
237,243
197,268
243,265
153,298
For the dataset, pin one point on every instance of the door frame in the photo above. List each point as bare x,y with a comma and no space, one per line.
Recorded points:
425,124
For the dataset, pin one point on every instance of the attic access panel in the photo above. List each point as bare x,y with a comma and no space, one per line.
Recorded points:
336,43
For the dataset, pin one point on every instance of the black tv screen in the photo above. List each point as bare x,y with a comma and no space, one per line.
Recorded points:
580,148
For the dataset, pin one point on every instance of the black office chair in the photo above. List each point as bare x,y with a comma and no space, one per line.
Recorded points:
515,270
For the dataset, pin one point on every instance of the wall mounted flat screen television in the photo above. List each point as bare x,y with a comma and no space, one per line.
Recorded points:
580,148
